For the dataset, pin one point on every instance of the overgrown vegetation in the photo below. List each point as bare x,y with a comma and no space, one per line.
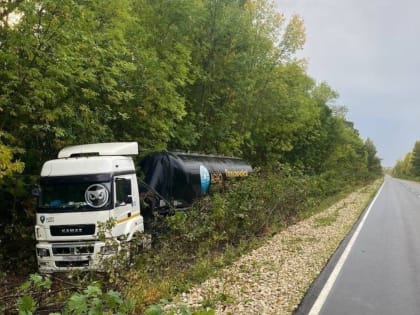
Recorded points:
197,75
191,246
92,300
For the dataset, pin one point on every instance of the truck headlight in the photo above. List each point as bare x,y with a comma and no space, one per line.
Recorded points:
43,252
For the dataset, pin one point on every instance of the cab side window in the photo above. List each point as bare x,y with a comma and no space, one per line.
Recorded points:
123,191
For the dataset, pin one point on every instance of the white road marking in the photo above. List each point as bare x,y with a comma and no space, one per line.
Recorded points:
322,297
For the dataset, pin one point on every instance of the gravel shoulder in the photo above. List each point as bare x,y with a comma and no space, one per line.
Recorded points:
274,278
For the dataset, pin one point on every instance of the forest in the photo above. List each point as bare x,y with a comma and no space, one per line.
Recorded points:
210,76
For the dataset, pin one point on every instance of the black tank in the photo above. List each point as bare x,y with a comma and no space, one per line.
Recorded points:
179,178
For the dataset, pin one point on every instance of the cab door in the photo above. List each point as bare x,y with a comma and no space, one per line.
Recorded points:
123,201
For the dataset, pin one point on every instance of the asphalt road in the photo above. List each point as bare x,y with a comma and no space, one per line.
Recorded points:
377,270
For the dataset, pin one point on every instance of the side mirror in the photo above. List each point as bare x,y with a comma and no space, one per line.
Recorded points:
36,190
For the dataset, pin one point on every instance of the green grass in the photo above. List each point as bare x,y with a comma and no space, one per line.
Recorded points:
327,220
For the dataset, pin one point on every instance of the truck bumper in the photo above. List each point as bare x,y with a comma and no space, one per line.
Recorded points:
55,257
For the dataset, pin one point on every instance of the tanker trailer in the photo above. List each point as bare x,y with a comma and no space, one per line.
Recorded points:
173,180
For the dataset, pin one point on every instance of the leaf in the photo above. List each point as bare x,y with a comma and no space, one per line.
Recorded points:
77,304
113,298
93,291
184,310
154,310
26,305
40,282
26,285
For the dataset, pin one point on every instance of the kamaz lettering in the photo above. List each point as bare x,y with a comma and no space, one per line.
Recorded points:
71,230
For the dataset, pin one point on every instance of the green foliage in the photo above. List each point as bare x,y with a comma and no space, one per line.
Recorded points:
409,167
373,163
33,290
327,220
105,228
159,44
26,305
403,168
95,302
415,160
37,281
92,300
210,76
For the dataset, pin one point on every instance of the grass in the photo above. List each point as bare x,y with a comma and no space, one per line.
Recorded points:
328,219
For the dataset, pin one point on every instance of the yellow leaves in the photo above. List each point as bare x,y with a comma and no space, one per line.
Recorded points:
7,165
270,23
293,38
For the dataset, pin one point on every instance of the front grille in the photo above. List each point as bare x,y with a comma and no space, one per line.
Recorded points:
67,264
72,230
67,250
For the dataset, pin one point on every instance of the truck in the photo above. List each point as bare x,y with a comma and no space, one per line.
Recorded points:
92,184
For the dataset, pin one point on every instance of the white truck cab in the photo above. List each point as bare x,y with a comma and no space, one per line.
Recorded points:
87,185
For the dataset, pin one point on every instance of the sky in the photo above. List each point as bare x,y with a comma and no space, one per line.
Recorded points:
369,52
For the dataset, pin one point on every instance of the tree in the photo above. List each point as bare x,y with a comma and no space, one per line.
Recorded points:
159,41
373,162
284,114
240,67
403,168
313,147
221,37
415,160
62,75
347,160
8,164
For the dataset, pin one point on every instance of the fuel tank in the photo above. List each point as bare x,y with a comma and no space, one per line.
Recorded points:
181,177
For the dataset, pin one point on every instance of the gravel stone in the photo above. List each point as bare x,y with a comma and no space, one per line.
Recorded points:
274,278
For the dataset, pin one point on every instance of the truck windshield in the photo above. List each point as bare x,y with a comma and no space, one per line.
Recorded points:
74,195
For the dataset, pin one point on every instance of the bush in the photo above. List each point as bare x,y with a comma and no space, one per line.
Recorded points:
91,300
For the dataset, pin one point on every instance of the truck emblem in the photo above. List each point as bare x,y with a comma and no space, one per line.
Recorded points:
42,219
96,195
